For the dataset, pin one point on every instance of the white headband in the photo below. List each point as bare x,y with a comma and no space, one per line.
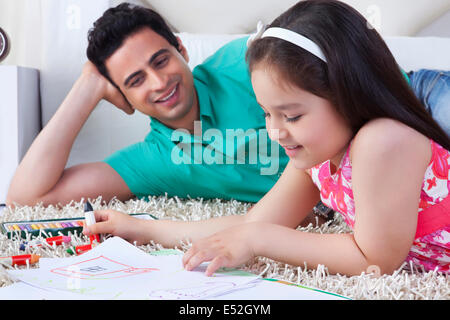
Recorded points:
289,36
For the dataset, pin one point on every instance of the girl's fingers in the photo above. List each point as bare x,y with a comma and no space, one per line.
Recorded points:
101,215
97,228
195,260
217,263
101,225
193,250
187,256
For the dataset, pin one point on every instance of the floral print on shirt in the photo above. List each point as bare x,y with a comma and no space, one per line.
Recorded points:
431,251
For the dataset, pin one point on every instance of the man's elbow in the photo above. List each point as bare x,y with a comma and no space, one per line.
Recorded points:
10,198
11,201
14,198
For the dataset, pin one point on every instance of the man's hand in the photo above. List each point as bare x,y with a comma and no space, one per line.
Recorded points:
110,92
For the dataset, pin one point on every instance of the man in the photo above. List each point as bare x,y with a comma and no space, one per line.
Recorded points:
207,130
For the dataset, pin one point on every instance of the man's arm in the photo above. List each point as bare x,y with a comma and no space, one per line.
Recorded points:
88,180
41,176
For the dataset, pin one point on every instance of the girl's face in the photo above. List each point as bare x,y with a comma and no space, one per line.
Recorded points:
307,126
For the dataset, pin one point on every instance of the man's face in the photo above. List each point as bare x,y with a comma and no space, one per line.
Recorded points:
155,78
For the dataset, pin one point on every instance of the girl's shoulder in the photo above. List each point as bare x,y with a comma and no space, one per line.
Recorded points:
386,137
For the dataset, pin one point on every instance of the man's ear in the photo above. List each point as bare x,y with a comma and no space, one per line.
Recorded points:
182,50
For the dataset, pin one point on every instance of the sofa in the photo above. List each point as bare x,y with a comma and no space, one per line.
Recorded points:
65,24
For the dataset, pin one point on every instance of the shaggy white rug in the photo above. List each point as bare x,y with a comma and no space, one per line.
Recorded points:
406,283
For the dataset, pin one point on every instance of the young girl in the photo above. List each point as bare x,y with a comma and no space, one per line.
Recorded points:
357,138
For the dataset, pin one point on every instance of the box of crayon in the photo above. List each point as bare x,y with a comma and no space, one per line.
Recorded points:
51,227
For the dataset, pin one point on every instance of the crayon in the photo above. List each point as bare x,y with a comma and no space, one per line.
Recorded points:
90,220
20,260
81,249
58,240
53,227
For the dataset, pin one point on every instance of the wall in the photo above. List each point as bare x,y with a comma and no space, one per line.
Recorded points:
392,17
21,19
401,17
25,20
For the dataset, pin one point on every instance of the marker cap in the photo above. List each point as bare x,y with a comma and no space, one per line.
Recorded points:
89,217
88,207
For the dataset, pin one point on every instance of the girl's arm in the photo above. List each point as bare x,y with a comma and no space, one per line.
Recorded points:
287,204
289,201
235,246
389,161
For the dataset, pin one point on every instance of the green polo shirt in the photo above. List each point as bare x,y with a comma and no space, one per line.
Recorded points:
229,156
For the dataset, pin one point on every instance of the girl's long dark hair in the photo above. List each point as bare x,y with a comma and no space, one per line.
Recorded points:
361,79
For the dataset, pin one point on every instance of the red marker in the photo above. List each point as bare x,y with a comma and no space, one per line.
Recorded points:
58,240
81,249
20,260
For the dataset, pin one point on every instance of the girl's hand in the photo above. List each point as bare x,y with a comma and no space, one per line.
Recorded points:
118,224
228,248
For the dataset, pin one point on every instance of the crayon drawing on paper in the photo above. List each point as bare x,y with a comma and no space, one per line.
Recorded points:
193,290
100,268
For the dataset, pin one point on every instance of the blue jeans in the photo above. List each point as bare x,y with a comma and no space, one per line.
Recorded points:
432,87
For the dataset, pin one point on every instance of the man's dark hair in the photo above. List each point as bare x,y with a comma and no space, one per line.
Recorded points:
116,25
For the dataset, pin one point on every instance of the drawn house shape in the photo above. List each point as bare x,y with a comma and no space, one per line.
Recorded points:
100,268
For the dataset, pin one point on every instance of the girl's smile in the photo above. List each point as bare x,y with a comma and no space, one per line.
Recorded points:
291,151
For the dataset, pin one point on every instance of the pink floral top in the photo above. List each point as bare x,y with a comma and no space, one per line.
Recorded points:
431,247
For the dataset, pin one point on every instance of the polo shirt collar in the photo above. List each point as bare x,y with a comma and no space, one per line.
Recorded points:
204,100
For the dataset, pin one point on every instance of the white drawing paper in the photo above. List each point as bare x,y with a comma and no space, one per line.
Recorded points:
118,270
